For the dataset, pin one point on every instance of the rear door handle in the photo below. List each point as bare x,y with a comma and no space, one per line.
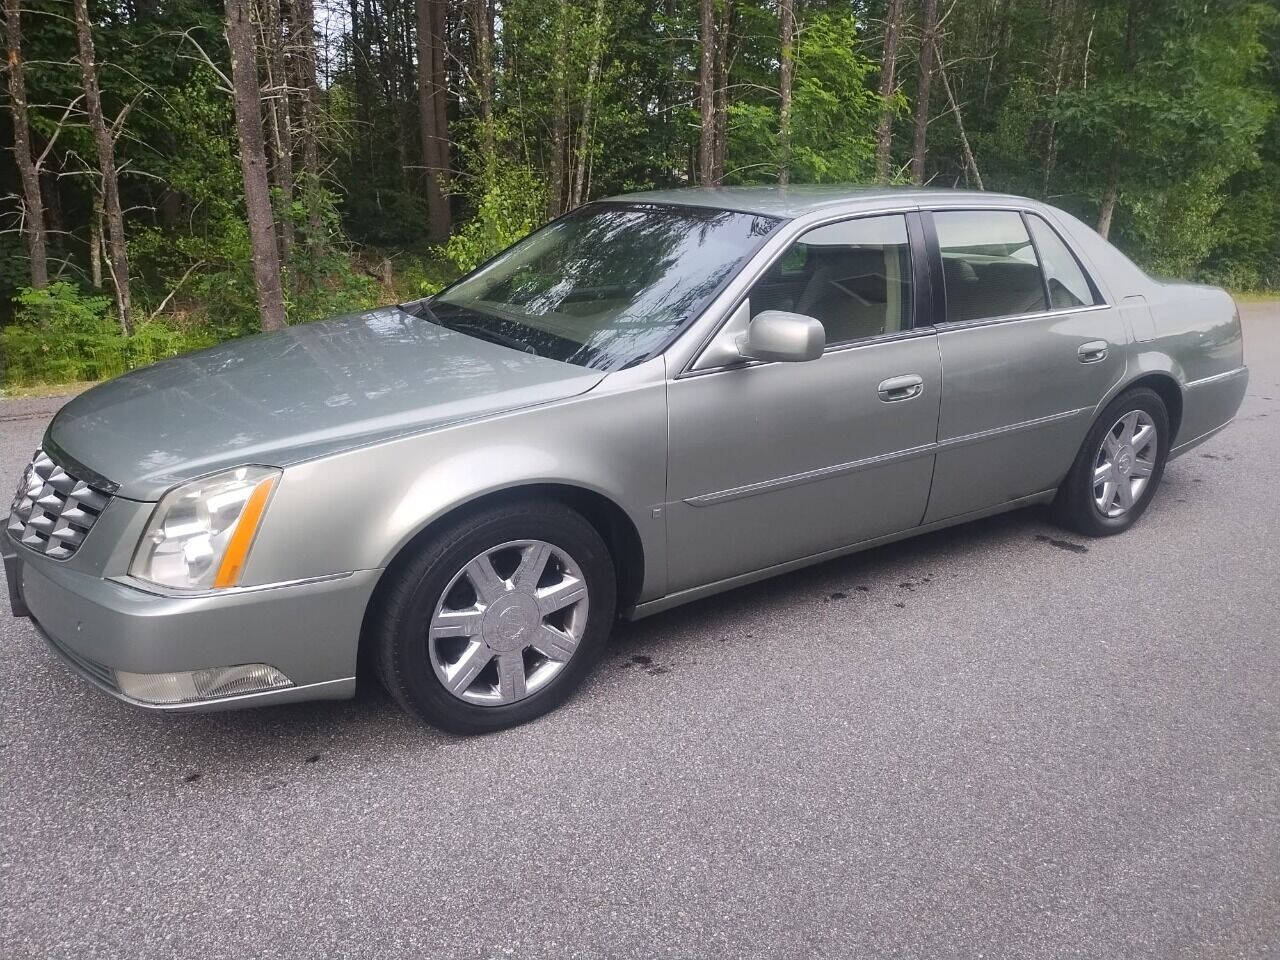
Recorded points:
901,388
1093,351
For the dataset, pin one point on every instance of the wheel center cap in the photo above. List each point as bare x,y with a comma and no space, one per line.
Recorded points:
1124,462
509,623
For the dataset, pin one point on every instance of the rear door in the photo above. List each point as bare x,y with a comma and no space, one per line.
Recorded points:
1028,350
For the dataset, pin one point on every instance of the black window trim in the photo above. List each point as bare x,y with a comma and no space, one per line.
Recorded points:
1035,250
938,284
1094,290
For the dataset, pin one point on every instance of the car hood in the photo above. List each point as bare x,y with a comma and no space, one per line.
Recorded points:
303,392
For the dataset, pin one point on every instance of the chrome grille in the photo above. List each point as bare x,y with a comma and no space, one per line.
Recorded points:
52,511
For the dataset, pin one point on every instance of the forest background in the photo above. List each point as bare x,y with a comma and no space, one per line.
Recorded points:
181,172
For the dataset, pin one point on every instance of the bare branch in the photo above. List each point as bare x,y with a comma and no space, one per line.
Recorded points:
176,287
57,130
206,59
118,124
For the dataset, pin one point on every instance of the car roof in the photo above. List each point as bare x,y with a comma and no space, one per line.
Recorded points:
799,199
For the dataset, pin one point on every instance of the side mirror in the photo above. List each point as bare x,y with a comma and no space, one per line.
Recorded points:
780,335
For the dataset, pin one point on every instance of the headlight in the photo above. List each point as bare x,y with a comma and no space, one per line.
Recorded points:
200,534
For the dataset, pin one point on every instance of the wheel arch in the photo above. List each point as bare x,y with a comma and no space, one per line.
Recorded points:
610,521
1167,388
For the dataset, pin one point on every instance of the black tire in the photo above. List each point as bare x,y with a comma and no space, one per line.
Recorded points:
414,586
1075,507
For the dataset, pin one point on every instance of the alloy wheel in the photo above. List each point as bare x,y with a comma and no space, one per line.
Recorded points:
1124,463
508,622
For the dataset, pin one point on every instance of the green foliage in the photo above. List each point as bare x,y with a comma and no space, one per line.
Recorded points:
1247,231
61,335
834,105
61,306
1060,101
508,208
421,277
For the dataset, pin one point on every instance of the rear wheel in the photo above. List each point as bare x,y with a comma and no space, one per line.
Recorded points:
498,618
1118,468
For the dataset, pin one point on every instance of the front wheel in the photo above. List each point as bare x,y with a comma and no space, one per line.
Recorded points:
498,618
1118,468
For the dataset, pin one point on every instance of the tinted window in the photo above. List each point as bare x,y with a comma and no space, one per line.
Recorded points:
988,264
853,276
604,287
1068,286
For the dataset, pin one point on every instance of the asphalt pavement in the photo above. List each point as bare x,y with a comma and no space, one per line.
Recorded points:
1000,740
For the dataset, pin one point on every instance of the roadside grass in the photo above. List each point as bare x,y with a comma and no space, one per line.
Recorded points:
1255,296
48,389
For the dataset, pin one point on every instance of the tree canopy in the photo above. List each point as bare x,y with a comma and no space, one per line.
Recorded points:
366,150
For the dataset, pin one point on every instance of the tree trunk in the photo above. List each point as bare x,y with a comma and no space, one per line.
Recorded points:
888,67
438,218
360,51
37,248
786,29
482,24
588,98
707,93
107,160
560,115
402,58
253,163
928,44
720,122
1110,194
277,101
1111,191
971,165
95,242
305,82
440,96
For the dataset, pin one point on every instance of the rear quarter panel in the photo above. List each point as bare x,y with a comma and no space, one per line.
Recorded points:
1199,342
1188,332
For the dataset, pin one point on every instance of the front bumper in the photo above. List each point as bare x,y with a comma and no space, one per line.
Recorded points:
308,630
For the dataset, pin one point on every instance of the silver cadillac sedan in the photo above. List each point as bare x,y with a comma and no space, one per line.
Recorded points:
652,399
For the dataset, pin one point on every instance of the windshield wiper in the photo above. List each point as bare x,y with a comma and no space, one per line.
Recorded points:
422,309
493,336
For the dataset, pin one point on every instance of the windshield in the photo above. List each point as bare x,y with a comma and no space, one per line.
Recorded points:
606,286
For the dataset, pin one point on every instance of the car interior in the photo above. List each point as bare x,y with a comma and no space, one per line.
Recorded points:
983,285
854,291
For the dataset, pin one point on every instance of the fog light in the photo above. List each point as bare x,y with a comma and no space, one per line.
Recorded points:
209,684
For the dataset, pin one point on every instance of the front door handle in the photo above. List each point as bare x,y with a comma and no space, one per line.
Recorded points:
1093,351
901,388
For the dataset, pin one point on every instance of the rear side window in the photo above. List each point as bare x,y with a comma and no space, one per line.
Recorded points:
989,265
1068,286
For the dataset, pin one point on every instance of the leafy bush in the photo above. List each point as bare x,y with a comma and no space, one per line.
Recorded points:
421,277
62,335
514,202
63,306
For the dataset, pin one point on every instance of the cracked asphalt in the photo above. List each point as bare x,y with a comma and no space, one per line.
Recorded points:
999,740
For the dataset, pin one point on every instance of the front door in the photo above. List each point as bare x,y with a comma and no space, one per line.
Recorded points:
772,462
1028,349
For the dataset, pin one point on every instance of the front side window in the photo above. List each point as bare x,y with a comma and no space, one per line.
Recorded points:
604,287
853,276
989,266
1068,286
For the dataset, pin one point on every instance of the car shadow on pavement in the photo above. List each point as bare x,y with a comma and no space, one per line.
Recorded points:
891,573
